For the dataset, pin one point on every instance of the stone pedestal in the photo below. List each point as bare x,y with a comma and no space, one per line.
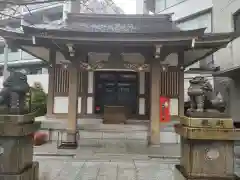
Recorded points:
115,115
16,147
207,148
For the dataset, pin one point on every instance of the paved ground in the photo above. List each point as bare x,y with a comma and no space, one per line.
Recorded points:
71,169
94,148
111,160
107,160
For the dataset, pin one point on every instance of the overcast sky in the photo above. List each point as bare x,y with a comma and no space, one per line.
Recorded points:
128,6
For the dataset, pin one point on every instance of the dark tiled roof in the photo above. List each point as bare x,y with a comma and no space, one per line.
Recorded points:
113,23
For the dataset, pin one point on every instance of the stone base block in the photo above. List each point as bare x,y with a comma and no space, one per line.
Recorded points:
17,119
16,129
180,175
30,173
16,153
207,122
207,158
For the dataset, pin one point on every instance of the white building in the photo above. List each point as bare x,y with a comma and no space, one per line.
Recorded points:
218,17
48,12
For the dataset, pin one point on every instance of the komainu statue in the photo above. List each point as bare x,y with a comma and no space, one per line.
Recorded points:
202,101
13,94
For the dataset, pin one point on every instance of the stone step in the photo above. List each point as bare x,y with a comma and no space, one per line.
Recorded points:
97,125
165,137
94,129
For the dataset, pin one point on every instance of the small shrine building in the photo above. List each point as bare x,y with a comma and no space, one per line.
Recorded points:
128,60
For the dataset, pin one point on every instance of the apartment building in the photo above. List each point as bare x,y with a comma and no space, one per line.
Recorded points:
39,13
218,17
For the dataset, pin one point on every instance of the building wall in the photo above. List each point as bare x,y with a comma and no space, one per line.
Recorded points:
223,22
189,14
169,87
228,57
140,7
182,8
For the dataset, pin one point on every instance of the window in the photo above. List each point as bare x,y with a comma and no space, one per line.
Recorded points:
160,5
201,21
236,20
13,49
1,50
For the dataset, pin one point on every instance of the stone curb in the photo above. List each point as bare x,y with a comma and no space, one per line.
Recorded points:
102,155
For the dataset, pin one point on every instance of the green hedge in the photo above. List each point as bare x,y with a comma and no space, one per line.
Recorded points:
37,100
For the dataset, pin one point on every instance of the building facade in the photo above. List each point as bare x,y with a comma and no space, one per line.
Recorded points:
218,17
97,61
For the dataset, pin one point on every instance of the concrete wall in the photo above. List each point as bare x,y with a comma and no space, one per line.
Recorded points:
228,57
187,8
193,14
223,22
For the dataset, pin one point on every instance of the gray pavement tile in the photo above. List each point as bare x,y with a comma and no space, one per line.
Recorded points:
126,174
122,165
89,173
115,148
72,169
50,169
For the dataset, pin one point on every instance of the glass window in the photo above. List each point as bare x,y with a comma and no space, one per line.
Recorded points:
13,49
202,21
160,5
1,50
236,19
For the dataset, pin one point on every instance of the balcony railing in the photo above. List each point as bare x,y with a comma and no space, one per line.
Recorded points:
17,56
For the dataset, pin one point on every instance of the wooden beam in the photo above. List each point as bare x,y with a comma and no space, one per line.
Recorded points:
84,92
51,82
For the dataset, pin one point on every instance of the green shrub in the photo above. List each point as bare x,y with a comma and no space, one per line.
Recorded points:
38,100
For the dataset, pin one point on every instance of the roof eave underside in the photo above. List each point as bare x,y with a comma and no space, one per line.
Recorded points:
210,43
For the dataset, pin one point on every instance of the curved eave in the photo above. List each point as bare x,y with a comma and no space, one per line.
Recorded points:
69,33
150,38
207,45
203,46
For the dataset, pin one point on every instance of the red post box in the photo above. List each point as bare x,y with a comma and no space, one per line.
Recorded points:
164,109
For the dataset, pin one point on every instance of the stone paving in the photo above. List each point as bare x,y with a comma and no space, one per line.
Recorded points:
71,169
90,148
111,160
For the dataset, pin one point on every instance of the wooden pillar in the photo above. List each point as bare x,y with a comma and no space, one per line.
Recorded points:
181,84
154,138
51,82
72,104
84,93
